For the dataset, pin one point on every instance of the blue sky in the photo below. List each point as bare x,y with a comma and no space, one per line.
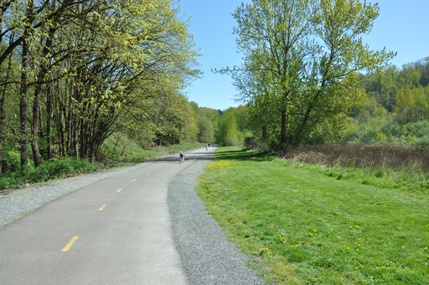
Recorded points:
401,27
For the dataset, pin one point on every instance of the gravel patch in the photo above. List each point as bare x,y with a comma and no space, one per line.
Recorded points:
207,256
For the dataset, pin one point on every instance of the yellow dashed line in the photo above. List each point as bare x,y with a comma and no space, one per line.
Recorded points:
119,190
134,180
70,243
102,207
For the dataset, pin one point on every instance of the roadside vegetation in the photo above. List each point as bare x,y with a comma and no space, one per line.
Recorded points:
80,80
114,155
321,224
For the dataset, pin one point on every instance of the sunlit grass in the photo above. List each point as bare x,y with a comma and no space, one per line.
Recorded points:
305,227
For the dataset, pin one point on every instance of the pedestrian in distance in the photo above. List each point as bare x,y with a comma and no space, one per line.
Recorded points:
182,156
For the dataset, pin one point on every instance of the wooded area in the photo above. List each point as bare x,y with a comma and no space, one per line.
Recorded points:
397,106
74,72
394,109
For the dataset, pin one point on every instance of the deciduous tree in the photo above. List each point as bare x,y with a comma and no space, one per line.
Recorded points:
300,63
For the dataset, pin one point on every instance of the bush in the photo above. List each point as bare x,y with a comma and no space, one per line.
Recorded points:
46,171
59,168
11,161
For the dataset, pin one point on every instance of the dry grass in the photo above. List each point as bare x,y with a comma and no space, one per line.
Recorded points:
363,156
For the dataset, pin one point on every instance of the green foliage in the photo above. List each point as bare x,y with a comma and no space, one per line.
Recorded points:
397,107
62,167
301,59
208,121
118,150
307,227
48,170
95,68
228,133
11,161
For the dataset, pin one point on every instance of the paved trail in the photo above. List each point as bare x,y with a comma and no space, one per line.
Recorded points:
129,228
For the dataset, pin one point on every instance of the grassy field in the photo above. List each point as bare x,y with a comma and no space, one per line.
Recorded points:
307,227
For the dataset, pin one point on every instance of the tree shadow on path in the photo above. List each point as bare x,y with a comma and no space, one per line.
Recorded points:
244,154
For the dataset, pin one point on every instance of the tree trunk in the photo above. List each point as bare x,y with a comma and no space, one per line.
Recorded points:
23,107
283,129
37,94
264,132
2,117
2,111
48,122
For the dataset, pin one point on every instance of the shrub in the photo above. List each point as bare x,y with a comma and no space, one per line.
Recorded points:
11,161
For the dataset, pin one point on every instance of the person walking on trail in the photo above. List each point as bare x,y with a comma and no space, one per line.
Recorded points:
182,156
206,147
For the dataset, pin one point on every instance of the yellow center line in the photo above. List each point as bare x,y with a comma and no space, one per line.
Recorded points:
119,190
70,243
102,207
134,180
148,174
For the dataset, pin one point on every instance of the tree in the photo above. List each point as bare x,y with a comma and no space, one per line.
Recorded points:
421,95
270,34
85,63
300,63
404,108
228,133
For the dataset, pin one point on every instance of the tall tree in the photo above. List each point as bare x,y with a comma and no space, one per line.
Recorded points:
300,62
404,107
270,34
228,133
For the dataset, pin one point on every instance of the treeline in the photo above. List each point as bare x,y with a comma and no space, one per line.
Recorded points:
397,106
74,72
394,109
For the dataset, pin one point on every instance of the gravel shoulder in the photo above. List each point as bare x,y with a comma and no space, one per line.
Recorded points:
207,256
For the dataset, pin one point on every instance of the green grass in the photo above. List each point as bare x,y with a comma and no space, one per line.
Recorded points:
120,148
306,227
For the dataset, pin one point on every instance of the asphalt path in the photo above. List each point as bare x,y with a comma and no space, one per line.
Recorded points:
114,231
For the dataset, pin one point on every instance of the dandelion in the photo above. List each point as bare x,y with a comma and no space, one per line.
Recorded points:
219,164
426,248
311,233
264,250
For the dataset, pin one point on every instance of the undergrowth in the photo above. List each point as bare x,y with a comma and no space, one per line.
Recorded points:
117,151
